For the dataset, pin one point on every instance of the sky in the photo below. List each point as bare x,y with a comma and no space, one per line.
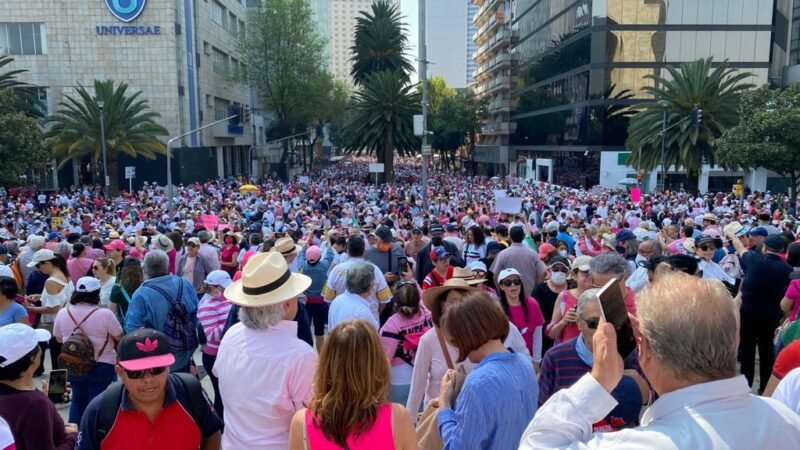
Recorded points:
410,10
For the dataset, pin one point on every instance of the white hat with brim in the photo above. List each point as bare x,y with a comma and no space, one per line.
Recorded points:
17,340
430,295
266,280
41,256
285,246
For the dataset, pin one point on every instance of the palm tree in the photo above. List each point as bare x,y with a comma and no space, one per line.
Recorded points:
9,79
130,127
715,90
380,42
381,118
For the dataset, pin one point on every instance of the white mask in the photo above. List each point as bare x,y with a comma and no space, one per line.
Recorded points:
563,253
558,278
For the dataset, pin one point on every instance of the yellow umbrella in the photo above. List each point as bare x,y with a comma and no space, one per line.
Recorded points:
249,188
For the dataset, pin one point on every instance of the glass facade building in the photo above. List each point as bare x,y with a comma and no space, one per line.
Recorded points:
580,62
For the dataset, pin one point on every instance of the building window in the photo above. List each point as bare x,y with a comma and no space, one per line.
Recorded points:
22,39
37,99
220,108
218,15
233,24
220,62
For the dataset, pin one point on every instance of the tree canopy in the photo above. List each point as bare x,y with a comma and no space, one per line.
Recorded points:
21,146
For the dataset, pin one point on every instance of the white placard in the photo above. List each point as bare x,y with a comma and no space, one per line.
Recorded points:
303,179
427,150
499,193
510,205
376,168
418,125
130,172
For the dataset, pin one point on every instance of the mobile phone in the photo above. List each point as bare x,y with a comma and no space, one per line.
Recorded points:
57,385
402,264
613,311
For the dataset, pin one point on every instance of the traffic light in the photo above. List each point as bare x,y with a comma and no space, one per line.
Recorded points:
696,116
246,115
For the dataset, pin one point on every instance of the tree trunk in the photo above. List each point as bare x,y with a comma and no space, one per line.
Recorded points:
311,156
113,183
692,182
795,177
388,157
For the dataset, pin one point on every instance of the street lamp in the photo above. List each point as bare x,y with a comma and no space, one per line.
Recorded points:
100,105
664,104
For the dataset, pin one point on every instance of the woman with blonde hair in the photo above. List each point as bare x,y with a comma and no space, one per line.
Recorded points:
348,407
105,270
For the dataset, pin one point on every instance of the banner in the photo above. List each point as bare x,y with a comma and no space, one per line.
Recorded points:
209,221
636,195
499,193
510,205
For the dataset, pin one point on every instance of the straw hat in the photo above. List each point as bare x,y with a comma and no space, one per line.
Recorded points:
266,280
467,274
285,246
162,242
431,295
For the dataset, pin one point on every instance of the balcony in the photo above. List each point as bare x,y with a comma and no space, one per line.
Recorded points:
501,39
495,85
485,32
485,12
499,129
501,105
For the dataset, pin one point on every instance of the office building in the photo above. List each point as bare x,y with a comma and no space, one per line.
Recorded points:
577,58
342,15
472,66
494,79
179,54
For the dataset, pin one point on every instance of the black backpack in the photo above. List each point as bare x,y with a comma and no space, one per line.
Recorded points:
111,399
179,327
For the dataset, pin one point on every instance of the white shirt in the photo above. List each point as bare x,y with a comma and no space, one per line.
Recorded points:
105,291
349,306
6,438
337,285
712,271
280,369
788,391
716,415
638,280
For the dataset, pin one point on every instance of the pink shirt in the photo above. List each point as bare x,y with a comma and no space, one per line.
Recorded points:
78,267
212,313
280,369
571,331
379,436
101,326
793,293
527,327
402,325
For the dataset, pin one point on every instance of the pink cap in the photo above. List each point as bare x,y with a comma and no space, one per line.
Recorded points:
115,244
313,254
545,250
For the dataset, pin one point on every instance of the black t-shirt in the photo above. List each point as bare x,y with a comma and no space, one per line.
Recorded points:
547,302
764,284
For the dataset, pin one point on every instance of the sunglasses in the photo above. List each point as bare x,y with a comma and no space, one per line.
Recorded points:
706,248
96,267
509,283
139,374
592,322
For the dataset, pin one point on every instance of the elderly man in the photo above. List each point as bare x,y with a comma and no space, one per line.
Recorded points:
523,258
354,303
35,243
687,349
166,303
209,254
607,266
380,294
265,372
647,249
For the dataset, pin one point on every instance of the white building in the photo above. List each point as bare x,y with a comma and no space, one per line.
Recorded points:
178,53
342,16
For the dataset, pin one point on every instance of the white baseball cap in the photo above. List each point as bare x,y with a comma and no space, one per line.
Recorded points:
17,340
477,265
218,278
41,256
505,273
87,284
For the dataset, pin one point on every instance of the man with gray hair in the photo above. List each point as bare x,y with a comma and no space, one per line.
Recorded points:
647,249
209,253
35,243
354,303
265,372
688,338
603,268
166,303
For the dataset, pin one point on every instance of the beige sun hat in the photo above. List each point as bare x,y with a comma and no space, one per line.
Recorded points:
431,295
266,280
164,243
285,246
467,274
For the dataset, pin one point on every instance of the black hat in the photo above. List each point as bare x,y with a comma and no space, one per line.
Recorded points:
703,239
775,242
494,247
436,229
384,233
145,349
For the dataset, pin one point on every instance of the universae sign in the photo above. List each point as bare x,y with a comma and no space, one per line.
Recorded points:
126,11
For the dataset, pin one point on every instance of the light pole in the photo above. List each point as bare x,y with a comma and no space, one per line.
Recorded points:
423,74
663,146
101,104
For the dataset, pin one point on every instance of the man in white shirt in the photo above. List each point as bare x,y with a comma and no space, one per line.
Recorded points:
265,372
788,390
354,303
688,338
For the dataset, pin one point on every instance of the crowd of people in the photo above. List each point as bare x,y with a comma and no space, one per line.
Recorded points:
329,312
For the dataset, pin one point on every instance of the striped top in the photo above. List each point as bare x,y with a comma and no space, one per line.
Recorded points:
212,315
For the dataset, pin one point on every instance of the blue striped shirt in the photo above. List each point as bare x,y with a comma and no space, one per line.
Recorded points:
495,404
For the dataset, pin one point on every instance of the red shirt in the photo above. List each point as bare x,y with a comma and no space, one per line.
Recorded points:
434,279
787,360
